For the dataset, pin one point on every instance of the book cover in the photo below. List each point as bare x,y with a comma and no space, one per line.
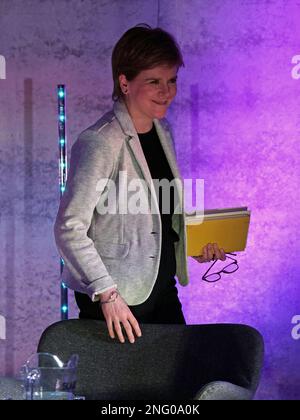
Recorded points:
226,227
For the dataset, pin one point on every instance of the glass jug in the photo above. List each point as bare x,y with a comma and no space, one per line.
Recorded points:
46,377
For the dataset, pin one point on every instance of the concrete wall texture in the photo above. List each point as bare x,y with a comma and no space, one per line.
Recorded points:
236,123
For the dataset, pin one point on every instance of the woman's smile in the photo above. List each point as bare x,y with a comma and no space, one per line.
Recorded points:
160,103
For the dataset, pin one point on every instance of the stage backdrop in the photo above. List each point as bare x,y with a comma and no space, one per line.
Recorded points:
236,123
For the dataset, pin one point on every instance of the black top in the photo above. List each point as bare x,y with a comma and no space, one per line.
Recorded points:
160,169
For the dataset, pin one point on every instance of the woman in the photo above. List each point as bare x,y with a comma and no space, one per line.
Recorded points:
122,263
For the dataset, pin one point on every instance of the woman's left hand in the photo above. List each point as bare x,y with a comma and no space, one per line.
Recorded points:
211,252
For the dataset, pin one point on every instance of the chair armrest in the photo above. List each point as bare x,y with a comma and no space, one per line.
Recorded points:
220,390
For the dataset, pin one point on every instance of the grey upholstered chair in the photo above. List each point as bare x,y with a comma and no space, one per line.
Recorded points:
168,362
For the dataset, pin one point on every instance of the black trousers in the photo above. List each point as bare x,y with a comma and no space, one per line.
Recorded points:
162,306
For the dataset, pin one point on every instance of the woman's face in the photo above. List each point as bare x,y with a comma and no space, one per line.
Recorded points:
149,94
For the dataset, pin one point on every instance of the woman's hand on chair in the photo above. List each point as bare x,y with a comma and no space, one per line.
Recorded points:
211,252
117,314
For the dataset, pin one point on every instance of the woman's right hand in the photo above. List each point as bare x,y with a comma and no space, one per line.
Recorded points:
116,313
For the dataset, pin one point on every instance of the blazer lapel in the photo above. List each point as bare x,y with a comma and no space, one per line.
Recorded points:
136,148
167,145
132,139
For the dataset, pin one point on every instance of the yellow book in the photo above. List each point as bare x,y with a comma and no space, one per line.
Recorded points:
226,227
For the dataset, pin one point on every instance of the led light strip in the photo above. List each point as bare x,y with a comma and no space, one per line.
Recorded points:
62,142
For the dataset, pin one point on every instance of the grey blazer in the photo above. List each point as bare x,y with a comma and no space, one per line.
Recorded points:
101,250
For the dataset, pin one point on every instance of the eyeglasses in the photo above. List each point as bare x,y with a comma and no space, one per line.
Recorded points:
228,269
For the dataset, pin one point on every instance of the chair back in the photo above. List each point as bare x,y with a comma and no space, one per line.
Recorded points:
167,362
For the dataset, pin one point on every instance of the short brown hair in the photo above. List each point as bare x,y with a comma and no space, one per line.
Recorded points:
141,48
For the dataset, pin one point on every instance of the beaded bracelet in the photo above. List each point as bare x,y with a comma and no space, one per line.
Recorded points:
111,298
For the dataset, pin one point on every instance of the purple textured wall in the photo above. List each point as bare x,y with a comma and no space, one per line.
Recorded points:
237,120
236,124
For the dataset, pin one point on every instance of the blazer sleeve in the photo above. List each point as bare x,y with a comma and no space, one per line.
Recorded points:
92,159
